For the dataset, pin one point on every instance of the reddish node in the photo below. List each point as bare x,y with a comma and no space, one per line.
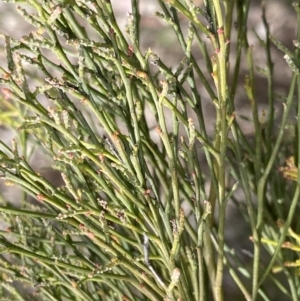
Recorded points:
220,30
147,192
158,130
40,197
84,100
91,235
286,245
130,51
101,157
6,75
111,31
6,92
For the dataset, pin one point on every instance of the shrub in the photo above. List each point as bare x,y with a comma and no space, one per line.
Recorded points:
133,218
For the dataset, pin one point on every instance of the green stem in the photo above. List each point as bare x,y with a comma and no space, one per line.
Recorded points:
262,184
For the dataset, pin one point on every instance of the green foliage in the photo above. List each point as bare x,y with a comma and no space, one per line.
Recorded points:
133,218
